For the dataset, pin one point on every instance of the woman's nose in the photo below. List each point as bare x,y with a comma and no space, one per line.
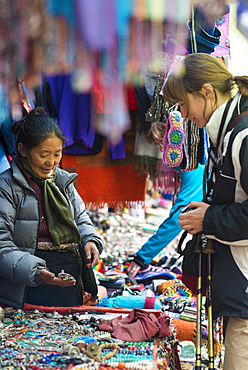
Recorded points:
52,161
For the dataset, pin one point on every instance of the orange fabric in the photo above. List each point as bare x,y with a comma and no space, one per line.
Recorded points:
102,180
185,330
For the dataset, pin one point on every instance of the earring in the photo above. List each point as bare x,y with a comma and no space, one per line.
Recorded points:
24,155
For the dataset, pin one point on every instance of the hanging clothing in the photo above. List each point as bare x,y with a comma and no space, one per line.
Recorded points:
112,182
74,117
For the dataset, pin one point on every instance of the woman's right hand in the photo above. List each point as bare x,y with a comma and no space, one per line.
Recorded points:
133,269
48,277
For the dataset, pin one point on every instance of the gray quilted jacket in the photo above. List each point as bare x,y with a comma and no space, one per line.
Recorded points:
19,225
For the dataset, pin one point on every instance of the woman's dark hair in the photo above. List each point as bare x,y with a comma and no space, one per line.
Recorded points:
36,127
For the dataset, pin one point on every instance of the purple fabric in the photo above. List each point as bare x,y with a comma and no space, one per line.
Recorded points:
96,22
74,116
75,120
117,151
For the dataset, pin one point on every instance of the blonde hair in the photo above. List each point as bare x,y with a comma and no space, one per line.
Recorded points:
195,70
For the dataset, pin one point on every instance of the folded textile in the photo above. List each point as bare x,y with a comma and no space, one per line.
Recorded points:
135,301
138,326
152,273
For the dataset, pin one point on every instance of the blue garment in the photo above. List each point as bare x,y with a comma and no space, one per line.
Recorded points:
191,190
7,139
4,163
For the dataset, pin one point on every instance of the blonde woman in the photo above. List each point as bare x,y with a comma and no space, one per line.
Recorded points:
211,96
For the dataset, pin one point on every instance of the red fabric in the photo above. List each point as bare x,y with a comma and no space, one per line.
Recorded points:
164,322
138,326
131,98
102,180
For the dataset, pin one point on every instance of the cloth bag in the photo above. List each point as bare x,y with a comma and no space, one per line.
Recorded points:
190,263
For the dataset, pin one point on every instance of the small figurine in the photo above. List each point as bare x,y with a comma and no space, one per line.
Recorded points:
64,275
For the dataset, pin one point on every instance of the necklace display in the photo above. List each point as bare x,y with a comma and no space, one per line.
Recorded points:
35,340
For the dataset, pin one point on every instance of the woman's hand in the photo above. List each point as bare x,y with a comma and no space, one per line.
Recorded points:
91,253
133,268
192,221
48,277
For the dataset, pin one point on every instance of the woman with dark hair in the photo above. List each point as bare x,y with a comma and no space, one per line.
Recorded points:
48,243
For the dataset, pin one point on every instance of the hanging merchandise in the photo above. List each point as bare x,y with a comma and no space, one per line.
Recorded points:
7,141
223,49
155,111
111,182
173,140
193,146
80,38
74,116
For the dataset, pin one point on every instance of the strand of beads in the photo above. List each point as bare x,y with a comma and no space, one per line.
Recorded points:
132,355
109,354
134,365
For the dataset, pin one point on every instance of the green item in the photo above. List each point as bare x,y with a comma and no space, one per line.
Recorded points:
61,225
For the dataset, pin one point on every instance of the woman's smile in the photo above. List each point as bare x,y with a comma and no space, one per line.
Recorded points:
44,158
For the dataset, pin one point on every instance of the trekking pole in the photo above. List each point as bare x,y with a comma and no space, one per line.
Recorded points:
209,250
198,306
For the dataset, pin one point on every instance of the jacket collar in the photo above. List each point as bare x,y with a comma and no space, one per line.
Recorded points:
63,178
214,122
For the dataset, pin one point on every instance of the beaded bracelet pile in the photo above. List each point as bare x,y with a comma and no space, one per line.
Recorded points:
37,341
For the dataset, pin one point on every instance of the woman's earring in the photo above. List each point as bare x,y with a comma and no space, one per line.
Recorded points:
24,155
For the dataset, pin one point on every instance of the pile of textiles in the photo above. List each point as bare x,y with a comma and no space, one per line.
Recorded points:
157,287
38,340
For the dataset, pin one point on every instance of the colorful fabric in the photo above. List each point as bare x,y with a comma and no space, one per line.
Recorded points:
224,46
173,140
74,116
131,302
102,180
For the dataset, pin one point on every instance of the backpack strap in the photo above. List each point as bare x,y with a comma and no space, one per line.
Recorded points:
236,119
181,240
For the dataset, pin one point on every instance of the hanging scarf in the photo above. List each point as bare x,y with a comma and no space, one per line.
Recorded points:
60,223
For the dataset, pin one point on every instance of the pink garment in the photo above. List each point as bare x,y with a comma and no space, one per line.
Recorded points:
224,47
138,326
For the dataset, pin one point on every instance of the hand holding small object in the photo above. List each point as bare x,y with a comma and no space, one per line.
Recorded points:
191,217
63,279
91,254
